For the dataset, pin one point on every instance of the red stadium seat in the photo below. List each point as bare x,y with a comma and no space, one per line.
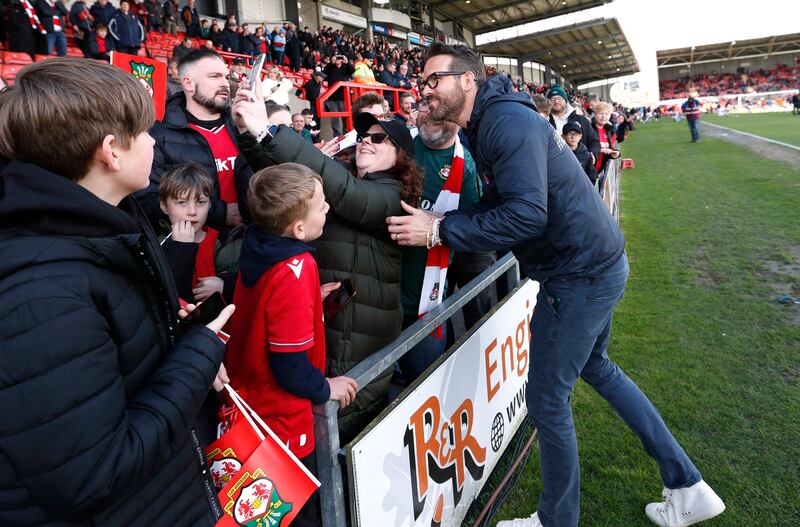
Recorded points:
13,57
9,72
74,52
38,57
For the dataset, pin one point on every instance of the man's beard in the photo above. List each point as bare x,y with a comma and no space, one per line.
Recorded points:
449,107
435,138
210,103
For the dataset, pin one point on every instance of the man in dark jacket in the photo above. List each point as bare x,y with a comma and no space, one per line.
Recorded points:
402,76
126,30
230,38
154,15
51,14
81,21
246,44
338,70
197,127
538,201
179,51
191,19
103,12
313,89
99,391
561,112
294,50
170,19
387,75
23,31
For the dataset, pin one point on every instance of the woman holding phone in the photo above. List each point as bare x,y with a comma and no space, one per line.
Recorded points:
355,243
276,87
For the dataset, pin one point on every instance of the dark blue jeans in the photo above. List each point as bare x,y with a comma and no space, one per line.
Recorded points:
694,129
58,40
570,332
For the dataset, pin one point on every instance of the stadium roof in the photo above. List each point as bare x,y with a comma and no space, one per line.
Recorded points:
488,15
729,50
583,52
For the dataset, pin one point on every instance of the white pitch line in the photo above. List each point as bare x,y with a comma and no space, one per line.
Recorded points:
793,147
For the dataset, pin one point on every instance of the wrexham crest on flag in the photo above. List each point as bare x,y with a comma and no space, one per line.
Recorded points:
222,470
258,503
144,73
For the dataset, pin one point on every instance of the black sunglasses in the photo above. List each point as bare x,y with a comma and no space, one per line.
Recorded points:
376,137
433,79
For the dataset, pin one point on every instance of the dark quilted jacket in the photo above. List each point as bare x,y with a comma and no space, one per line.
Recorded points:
97,399
355,244
177,143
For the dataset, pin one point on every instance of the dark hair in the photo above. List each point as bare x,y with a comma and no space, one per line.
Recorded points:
197,55
409,175
188,178
307,111
461,58
273,108
368,99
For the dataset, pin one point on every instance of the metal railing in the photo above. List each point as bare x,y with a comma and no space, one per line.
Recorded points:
352,91
326,427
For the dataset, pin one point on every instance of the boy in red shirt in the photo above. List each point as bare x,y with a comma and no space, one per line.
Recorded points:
276,354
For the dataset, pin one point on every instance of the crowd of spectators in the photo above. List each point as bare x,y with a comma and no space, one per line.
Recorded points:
780,78
228,195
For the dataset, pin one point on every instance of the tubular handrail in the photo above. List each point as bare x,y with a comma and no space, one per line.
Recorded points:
352,91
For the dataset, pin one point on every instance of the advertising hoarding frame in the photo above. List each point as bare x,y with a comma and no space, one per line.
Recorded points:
469,344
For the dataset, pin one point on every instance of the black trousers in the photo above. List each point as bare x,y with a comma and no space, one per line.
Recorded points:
310,515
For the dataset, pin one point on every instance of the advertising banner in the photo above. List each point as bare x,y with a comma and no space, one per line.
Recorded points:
331,13
150,72
426,458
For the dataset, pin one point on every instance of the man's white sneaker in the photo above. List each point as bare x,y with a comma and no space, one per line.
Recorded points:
533,521
683,507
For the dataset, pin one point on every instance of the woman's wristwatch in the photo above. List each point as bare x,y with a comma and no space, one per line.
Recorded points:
269,131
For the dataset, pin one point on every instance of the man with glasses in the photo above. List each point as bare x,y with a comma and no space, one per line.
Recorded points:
562,112
538,201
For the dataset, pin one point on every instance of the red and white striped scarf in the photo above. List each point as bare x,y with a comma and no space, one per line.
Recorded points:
56,17
36,24
433,283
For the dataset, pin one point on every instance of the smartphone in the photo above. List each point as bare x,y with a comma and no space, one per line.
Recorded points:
415,106
258,65
338,300
205,312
